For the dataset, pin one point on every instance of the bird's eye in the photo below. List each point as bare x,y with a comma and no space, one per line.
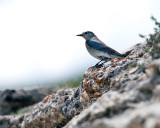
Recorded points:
86,33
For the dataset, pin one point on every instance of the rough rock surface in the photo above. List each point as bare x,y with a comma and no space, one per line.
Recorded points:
11,121
134,105
120,83
133,98
122,94
11,100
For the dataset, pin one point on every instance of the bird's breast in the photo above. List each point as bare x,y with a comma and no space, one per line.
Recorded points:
96,53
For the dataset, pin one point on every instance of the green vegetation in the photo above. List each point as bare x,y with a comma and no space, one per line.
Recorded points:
71,83
146,50
142,66
153,40
22,110
133,64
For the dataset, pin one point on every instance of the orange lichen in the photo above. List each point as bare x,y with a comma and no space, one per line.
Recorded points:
47,98
84,75
85,83
113,61
95,95
94,74
99,81
88,89
104,70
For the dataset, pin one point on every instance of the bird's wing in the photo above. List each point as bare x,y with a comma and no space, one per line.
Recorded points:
102,47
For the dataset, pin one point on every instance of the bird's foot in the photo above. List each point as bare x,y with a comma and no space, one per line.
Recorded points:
98,65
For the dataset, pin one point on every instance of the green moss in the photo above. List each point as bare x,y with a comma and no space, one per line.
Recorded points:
74,82
133,64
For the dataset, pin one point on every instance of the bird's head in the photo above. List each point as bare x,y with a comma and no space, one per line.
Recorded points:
87,35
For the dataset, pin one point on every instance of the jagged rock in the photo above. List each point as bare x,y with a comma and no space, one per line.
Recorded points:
136,107
122,94
55,110
121,84
11,121
11,100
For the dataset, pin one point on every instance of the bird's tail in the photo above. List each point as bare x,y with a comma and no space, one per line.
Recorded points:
127,53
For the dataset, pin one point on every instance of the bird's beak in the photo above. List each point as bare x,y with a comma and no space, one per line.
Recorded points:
79,35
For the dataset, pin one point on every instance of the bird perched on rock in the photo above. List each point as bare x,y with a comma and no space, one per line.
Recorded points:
100,50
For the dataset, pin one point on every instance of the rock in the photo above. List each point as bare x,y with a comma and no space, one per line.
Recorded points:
12,100
134,105
58,109
134,108
141,117
11,121
122,94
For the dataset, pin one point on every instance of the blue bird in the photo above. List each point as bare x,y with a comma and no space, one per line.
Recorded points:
100,50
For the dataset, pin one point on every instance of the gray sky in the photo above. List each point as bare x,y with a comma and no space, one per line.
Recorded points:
38,38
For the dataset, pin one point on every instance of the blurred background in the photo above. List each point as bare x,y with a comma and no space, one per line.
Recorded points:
38,43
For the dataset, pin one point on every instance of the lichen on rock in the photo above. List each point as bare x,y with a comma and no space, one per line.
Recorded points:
120,87
121,94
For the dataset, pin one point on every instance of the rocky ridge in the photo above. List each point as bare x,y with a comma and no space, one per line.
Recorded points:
122,94
12,100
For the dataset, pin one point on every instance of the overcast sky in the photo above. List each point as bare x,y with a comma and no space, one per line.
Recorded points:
38,38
